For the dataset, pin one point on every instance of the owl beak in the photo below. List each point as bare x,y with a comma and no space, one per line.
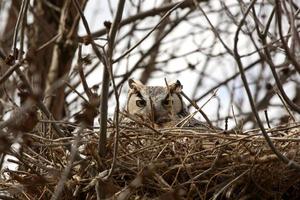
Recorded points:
159,119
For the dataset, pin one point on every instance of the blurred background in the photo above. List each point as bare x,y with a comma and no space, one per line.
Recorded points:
64,68
198,42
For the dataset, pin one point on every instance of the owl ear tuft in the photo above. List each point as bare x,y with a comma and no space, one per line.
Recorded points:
135,85
176,87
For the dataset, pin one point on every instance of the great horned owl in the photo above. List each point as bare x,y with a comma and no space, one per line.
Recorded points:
160,105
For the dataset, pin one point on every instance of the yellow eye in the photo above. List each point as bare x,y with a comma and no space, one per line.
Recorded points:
141,103
167,102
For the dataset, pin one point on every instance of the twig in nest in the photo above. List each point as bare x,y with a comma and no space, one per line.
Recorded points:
198,109
60,186
237,57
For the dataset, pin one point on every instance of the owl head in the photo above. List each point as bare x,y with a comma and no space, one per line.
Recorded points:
158,104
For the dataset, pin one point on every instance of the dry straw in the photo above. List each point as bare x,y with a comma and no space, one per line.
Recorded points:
173,163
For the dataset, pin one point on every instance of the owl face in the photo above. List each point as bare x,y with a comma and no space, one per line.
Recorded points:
157,104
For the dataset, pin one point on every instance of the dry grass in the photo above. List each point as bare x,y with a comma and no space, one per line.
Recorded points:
178,163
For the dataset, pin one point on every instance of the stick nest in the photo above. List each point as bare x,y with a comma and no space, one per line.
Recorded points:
173,163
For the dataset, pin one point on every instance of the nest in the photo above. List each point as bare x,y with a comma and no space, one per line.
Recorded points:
173,163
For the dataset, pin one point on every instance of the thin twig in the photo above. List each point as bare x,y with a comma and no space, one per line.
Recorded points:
65,174
149,33
198,109
227,80
110,48
10,71
81,74
105,84
252,104
267,118
291,57
142,15
22,13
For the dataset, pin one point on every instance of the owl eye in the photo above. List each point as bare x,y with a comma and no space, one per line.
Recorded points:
141,103
167,102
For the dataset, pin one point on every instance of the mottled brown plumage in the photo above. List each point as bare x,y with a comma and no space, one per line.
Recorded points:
161,105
